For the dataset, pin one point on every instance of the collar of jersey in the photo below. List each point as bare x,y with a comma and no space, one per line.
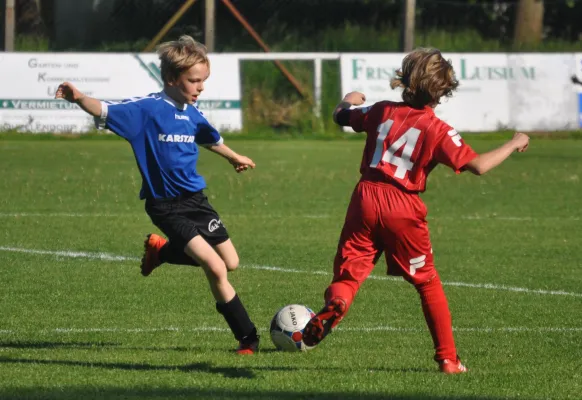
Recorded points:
171,101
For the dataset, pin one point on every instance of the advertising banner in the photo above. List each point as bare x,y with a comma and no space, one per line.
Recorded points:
578,75
542,97
496,91
30,81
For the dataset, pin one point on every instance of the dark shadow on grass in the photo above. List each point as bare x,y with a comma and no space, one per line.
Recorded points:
227,372
54,345
89,345
195,393
180,349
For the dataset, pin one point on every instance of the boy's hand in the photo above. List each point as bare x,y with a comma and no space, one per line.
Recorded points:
242,163
355,98
68,92
520,141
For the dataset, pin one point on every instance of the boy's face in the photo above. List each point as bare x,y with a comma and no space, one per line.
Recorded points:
190,83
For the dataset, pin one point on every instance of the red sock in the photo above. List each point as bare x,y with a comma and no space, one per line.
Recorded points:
345,290
438,318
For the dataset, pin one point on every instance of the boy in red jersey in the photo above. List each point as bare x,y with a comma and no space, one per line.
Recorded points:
405,141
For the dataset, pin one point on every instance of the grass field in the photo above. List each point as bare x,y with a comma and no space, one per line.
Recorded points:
78,321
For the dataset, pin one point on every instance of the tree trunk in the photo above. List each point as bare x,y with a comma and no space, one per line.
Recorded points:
529,22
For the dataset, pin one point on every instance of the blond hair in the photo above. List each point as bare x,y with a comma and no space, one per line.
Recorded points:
425,77
180,55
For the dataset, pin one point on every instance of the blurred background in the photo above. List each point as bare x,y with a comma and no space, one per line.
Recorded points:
302,25
294,26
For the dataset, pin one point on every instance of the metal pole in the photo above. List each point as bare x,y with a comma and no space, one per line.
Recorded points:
409,20
210,24
171,22
9,26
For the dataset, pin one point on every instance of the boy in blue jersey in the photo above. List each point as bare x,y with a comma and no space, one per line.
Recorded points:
164,130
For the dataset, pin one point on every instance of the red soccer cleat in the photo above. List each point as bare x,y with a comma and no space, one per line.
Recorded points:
323,322
249,345
151,256
450,367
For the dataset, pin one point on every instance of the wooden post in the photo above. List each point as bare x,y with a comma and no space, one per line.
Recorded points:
408,26
9,26
171,22
210,25
263,45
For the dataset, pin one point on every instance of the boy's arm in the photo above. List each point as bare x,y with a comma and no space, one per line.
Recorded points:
125,118
240,163
341,114
71,94
487,161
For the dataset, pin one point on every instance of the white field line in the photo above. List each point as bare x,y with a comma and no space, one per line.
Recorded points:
112,257
489,286
204,329
266,215
67,215
133,215
71,254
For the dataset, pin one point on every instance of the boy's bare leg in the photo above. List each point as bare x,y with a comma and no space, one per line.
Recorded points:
228,253
214,268
227,302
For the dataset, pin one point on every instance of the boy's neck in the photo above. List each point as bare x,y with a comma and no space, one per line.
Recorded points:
170,93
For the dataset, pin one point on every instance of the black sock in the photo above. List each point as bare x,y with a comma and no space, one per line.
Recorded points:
172,255
237,319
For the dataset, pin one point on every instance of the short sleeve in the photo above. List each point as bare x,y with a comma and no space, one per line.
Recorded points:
207,135
453,151
126,118
358,118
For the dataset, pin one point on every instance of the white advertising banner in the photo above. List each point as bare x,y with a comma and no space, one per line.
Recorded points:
542,98
578,75
27,92
496,91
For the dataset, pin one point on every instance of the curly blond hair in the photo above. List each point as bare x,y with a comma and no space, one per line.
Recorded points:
425,77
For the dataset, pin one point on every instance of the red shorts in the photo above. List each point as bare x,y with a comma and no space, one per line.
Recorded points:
383,218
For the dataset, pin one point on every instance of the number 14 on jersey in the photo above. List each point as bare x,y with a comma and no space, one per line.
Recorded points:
402,163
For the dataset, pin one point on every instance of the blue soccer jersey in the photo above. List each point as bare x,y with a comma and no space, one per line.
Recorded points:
164,136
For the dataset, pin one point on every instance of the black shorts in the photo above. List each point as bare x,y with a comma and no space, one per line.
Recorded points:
185,217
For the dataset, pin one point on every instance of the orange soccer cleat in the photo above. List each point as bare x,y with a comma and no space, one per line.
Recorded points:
324,321
451,367
151,254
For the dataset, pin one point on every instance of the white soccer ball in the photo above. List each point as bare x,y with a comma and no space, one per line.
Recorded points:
287,327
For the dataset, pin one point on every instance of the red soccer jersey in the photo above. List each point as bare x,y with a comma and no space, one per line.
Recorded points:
404,144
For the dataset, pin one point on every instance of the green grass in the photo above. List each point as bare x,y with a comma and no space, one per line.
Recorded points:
81,327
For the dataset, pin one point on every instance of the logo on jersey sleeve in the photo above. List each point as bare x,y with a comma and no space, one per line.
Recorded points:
455,137
175,138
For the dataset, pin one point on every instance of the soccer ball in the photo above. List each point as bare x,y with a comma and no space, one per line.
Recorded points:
287,327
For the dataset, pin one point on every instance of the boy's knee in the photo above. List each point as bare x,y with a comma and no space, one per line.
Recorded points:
216,271
232,263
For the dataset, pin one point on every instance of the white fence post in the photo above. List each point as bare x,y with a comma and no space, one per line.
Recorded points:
317,87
